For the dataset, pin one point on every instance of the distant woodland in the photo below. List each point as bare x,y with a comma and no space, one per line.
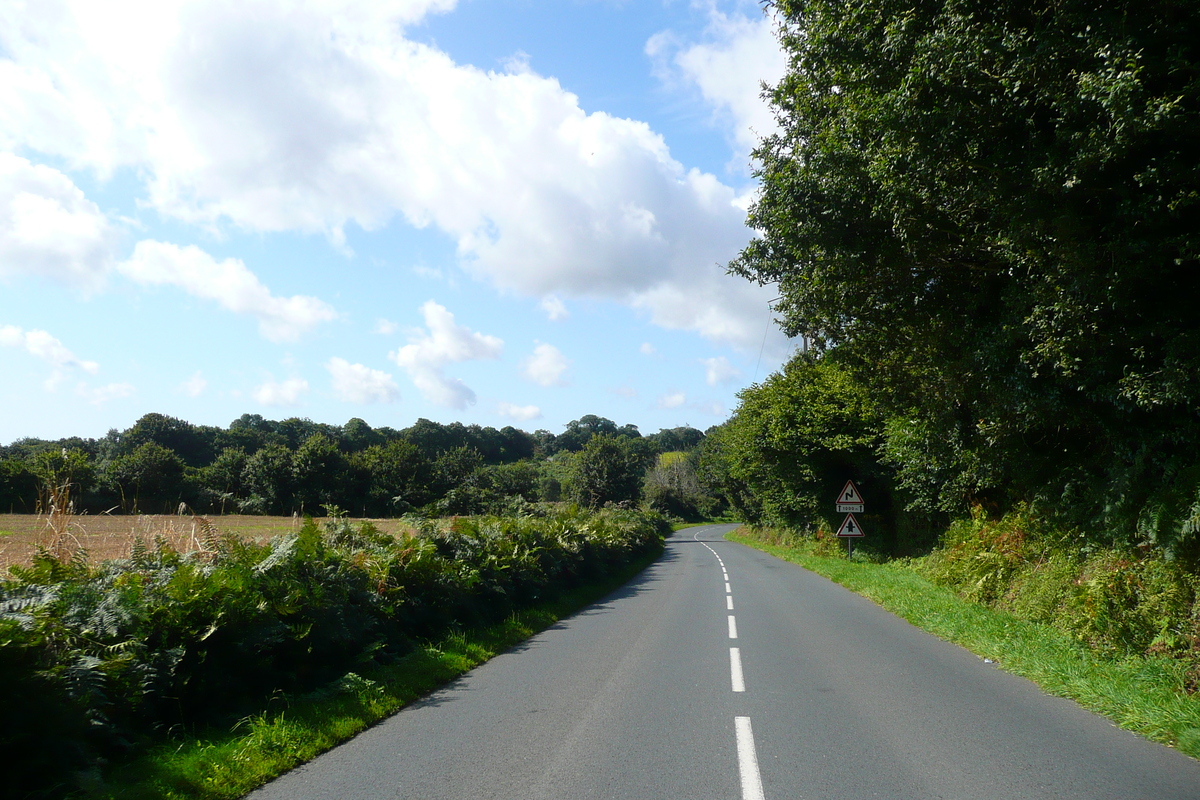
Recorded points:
297,466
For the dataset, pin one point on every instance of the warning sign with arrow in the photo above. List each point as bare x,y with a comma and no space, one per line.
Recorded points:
850,528
850,501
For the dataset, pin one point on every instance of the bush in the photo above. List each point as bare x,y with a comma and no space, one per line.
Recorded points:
107,657
1119,601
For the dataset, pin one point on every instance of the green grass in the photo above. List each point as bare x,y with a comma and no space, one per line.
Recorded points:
220,764
1144,695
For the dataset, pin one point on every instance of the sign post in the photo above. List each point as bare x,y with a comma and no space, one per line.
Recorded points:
850,502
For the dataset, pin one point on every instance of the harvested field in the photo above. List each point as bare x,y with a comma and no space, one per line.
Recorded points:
107,536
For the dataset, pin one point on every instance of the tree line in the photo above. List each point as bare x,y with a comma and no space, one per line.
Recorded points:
297,466
984,221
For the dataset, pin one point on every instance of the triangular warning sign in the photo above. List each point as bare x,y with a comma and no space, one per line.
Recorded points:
850,494
850,528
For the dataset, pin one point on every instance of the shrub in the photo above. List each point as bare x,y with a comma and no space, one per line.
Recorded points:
105,658
1122,601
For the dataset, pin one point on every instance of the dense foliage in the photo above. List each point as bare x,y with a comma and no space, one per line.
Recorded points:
260,466
1117,602
99,660
986,216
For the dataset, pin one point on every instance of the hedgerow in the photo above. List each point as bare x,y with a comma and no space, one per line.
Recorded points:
1128,601
102,660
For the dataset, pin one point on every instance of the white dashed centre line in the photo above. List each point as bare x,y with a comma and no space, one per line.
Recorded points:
735,670
748,760
752,788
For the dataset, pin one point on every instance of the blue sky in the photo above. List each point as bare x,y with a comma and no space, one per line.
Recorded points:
492,211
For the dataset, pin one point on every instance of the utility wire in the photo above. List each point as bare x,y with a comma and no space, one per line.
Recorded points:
766,330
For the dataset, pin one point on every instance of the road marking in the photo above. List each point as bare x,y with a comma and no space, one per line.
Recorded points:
727,589
748,760
735,670
732,627
729,602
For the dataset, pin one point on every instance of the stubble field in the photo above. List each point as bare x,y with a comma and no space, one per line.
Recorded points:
106,536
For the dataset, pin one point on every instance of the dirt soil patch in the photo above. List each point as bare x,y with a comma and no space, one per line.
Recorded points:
107,536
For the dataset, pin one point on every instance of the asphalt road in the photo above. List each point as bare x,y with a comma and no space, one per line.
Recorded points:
769,683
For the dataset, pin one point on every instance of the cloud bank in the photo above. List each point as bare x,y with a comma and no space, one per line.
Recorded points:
310,116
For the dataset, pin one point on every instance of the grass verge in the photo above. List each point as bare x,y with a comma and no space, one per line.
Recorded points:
1144,695
224,764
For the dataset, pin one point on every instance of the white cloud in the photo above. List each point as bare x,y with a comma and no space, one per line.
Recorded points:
718,370
519,413
309,116
672,400
546,366
728,68
229,283
287,393
385,327
444,343
47,226
648,349
102,394
40,344
194,386
356,383
555,309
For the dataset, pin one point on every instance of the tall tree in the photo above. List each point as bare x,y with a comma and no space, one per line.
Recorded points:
321,473
607,469
990,212
580,431
192,443
398,476
150,479
269,479
357,435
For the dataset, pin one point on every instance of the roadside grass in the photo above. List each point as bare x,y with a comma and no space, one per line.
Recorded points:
1146,695
220,764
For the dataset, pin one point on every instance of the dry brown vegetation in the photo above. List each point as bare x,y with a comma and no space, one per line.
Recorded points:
106,536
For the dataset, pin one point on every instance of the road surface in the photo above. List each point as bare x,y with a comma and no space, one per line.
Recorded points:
724,673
